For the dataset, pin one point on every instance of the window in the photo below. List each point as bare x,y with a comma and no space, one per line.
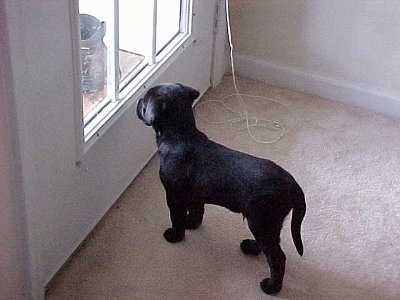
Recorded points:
121,43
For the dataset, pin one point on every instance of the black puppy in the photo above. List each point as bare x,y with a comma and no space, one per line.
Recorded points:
196,171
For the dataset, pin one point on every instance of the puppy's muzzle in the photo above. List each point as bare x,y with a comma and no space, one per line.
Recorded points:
141,110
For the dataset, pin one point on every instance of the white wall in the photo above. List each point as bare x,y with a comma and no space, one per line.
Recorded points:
347,50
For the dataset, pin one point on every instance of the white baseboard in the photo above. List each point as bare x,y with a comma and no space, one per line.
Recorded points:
375,99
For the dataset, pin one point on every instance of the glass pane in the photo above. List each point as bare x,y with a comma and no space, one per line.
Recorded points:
97,54
135,34
168,22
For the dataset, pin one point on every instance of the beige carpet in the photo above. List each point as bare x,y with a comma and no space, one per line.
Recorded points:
348,163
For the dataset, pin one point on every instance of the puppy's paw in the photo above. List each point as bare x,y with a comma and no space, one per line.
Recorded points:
269,288
174,236
192,222
250,247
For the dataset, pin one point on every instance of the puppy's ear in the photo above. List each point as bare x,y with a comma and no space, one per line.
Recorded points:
189,93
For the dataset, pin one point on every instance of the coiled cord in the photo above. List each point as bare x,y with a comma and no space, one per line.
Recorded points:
242,116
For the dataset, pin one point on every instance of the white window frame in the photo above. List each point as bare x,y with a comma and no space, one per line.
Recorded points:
107,113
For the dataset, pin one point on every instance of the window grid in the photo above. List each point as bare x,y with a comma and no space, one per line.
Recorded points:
125,88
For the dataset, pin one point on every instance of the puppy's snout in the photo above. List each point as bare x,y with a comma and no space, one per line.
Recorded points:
143,113
139,109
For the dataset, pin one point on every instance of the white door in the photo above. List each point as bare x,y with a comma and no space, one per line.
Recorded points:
71,175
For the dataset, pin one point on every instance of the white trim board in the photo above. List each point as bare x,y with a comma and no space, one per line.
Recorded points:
371,98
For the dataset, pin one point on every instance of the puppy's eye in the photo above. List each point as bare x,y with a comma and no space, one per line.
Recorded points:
143,110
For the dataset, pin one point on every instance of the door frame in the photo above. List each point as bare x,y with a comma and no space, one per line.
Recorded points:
13,235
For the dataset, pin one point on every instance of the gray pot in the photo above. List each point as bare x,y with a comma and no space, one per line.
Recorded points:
93,54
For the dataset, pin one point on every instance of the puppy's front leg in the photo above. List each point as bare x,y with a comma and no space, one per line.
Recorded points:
177,211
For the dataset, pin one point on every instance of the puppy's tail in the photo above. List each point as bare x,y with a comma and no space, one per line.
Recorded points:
299,210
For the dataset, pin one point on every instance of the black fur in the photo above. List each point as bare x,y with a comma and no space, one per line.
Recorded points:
196,171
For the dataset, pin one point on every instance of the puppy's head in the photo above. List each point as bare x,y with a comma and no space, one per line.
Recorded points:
168,104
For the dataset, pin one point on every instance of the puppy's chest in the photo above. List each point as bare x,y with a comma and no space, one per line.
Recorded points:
175,161
170,151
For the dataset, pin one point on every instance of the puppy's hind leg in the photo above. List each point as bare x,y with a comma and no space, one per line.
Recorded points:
195,215
250,247
268,240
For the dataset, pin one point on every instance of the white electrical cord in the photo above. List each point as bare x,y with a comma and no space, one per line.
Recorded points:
250,122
